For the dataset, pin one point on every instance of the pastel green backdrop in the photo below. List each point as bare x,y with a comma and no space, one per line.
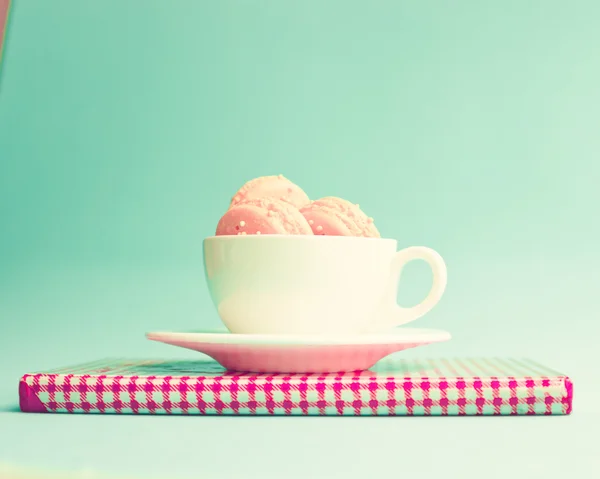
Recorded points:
125,126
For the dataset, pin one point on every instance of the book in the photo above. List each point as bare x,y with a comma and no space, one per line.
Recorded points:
394,387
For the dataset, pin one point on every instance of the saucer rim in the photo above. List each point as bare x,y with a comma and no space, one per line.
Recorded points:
395,336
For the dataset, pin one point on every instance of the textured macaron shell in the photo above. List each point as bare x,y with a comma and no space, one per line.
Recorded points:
263,216
333,216
271,187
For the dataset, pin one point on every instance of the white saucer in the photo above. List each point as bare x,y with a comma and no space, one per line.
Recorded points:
300,353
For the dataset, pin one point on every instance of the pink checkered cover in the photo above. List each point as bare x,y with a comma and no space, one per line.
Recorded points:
453,387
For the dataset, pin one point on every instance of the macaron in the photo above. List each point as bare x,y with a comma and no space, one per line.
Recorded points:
277,187
332,216
263,216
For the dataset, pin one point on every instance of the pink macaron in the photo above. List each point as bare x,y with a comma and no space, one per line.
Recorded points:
331,216
263,216
277,187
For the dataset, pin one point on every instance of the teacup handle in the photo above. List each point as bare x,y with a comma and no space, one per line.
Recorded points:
395,315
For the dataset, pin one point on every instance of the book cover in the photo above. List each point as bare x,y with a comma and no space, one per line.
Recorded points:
394,387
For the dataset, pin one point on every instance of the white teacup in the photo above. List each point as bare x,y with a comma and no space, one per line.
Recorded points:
283,284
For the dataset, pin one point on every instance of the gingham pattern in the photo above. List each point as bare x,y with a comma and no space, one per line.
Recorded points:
424,387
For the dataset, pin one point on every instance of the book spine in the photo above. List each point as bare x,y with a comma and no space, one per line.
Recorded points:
299,396
28,399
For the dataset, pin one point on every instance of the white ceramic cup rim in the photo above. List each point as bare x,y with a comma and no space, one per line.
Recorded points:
297,238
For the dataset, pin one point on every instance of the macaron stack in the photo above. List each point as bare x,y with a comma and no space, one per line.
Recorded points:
275,205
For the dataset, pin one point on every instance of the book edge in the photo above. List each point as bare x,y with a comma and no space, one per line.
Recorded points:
28,399
568,384
29,402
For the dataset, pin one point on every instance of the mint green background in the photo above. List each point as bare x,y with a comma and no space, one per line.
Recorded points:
471,127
